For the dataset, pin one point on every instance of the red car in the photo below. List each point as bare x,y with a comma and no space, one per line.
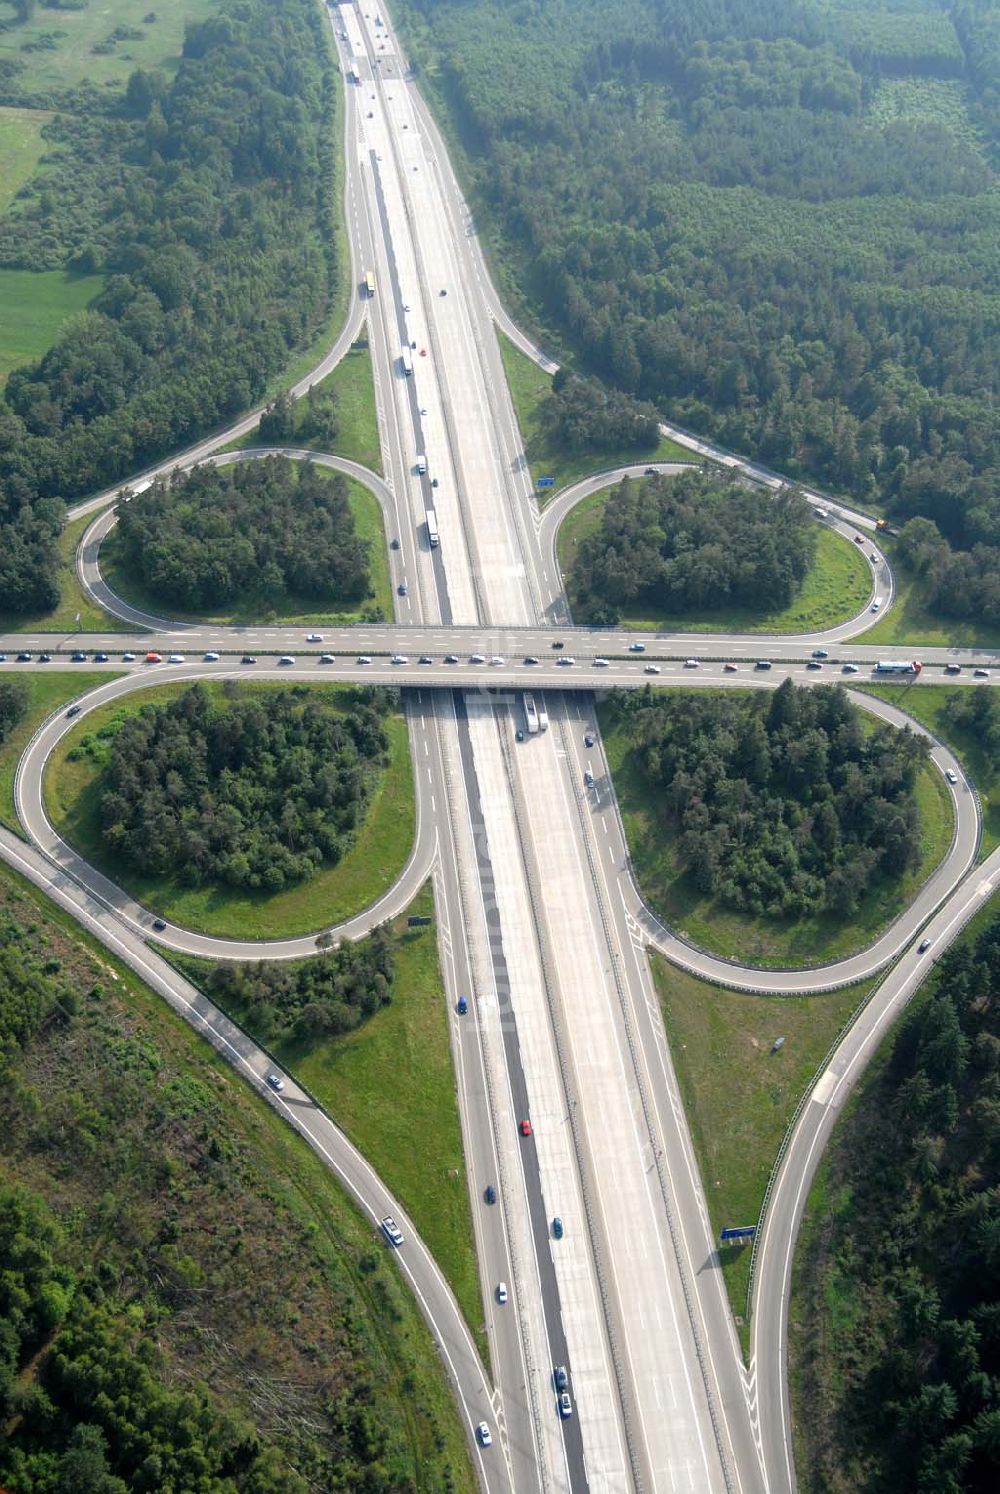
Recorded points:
525,1128
154,658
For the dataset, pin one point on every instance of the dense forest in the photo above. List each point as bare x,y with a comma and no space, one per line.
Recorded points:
13,704
775,219
960,583
304,1000
170,1318
206,538
781,803
206,199
581,414
254,791
898,1344
695,541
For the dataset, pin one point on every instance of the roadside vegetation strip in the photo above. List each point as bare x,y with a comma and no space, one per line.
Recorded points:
73,599
46,692
281,608
836,588
970,739
21,148
354,432
304,1295
381,848
738,1094
911,621
390,1085
529,387
711,924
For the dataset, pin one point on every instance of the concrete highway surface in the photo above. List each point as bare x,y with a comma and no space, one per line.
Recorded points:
569,1103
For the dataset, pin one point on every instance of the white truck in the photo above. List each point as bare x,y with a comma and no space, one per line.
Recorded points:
530,714
432,529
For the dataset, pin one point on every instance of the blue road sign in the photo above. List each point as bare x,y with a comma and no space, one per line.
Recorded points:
745,1232
545,482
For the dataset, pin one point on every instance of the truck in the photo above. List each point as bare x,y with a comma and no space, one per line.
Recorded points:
898,666
530,714
884,527
406,360
421,463
370,282
543,716
433,537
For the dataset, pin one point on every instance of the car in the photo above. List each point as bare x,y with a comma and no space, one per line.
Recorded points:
849,668
392,1231
23,658
477,659
567,661
434,482
153,657
423,351
588,778
159,924
561,1378
762,664
423,409
128,657
363,659
529,659
327,659
637,648
558,643
395,542
649,472
565,1405
45,658
463,1005
953,669
820,653
873,558
248,659
588,739
276,1082
286,659
951,775
525,1128
442,291
483,1433
401,588
981,674
401,658
100,658
557,1227
451,658
314,637
501,1292
519,735
815,664
74,710
176,659
79,657
211,657
371,114
651,669
497,659
406,305
923,946
875,605
490,1194
692,664
858,540
426,659
729,667
600,664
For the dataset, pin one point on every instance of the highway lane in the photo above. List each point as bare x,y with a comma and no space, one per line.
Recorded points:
416,1264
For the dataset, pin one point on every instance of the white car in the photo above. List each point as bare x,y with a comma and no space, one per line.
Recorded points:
176,659
875,605
211,657
400,659
276,1082
392,1231
286,659
652,669
566,661
496,659
637,648
951,775
477,659
484,1435
363,659
600,663
327,659
692,664
314,637
128,657
502,1292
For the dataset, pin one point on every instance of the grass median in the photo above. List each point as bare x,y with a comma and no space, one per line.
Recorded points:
739,1096
836,587
766,942
390,1085
374,862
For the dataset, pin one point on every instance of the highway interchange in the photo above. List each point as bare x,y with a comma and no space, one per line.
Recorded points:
538,918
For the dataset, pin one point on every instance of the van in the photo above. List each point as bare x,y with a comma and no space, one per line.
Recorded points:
762,664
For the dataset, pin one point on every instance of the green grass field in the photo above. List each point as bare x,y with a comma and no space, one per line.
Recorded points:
929,707
403,1051
714,926
21,148
379,853
72,598
75,33
528,387
354,386
910,620
33,306
836,587
285,610
739,1096
46,692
